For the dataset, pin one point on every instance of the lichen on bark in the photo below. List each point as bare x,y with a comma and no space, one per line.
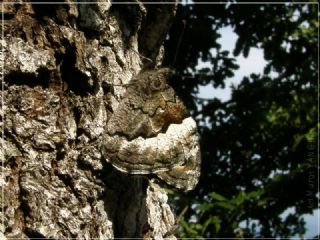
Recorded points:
65,66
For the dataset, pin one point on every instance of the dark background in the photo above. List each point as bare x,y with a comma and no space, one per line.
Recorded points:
259,149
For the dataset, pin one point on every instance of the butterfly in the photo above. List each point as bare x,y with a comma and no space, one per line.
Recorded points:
151,132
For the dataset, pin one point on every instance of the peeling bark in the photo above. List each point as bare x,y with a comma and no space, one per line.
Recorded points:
66,68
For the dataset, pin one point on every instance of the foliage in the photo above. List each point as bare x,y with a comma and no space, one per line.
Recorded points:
259,148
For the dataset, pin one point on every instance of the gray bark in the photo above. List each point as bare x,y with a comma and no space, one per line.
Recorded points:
67,69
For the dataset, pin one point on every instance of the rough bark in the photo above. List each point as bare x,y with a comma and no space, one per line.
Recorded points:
68,76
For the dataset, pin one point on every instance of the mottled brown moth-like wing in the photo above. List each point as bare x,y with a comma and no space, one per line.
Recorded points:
150,133
186,175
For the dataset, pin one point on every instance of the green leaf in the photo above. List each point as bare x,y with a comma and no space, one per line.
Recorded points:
217,197
254,194
217,223
297,141
239,199
225,205
205,207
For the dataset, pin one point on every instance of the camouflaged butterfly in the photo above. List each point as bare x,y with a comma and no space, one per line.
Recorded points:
150,132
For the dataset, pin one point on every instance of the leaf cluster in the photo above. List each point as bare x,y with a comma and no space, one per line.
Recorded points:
259,149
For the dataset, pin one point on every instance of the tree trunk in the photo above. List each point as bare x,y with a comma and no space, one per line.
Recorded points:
81,111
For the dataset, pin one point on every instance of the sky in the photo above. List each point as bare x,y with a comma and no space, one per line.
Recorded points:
254,63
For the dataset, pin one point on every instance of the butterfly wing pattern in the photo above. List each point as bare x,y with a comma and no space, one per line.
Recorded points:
150,132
